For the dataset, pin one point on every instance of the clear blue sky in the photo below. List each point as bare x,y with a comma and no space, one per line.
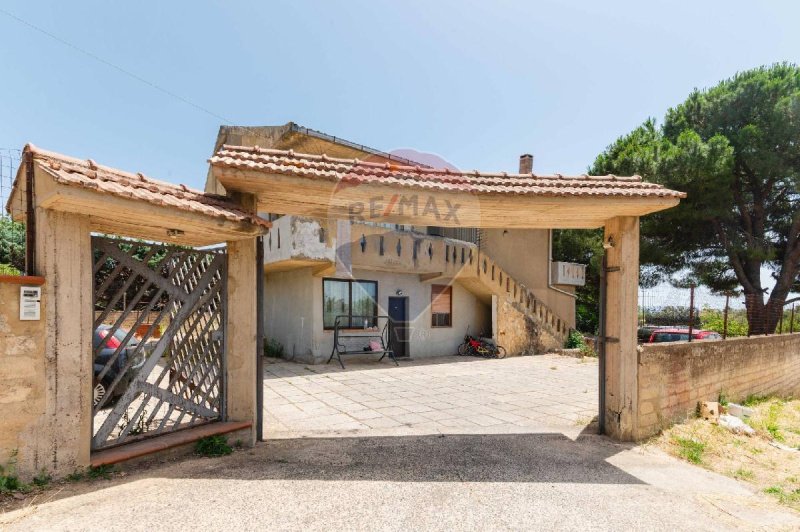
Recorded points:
477,84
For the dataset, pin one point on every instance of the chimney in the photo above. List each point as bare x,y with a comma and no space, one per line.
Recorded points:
526,163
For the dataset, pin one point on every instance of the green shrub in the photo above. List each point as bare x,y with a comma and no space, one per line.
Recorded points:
273,348
8,476
574,340
213,446
7,269
42,479
714,320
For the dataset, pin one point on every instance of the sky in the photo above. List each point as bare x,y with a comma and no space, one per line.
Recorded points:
144,86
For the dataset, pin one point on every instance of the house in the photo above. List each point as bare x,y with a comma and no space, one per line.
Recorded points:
437,283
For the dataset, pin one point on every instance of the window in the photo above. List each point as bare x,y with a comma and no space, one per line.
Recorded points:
343,297
441,305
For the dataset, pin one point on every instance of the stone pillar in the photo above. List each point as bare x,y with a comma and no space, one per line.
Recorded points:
622,300
241,334
62,442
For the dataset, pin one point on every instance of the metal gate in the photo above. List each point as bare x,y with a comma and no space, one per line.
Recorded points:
158,338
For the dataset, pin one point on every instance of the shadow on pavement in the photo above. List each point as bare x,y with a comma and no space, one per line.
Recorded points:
529,457
524,458
357,363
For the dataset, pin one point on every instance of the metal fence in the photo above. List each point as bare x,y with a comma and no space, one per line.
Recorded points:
9,162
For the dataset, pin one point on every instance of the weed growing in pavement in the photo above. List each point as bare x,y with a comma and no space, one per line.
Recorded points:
213,446
76,476
102,471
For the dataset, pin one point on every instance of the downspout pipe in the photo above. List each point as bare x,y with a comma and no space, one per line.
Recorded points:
260,315
601,347
550,267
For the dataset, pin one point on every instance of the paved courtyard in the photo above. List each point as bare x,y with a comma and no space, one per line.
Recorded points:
445,394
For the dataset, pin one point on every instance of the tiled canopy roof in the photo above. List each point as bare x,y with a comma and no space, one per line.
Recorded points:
354,171
88,174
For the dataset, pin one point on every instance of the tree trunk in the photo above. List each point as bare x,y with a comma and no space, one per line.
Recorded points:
762,318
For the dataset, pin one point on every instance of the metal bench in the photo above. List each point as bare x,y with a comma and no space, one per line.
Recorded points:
349,340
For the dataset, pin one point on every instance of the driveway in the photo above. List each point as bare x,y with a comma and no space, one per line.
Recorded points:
461,472
445,394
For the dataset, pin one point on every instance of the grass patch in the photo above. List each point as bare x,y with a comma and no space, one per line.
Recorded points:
691,450
755,400
788,497
743,474
213,446
752,459
771,423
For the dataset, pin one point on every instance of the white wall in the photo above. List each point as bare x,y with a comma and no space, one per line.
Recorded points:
289,297
294,314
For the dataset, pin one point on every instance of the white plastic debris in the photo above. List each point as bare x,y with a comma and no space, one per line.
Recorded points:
742,412
735,425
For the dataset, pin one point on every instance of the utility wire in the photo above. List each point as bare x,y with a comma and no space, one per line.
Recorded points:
112,65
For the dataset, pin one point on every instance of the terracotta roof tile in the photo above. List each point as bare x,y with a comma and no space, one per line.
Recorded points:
88,174
354,171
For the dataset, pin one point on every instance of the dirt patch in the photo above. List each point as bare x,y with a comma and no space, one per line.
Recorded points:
756,459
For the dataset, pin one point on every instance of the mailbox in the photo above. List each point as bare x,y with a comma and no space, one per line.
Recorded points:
568,273
30,303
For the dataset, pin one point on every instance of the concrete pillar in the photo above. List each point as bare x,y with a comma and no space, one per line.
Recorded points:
241,334
64,258
621,377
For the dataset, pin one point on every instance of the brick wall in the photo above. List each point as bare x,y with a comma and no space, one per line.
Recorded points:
673,377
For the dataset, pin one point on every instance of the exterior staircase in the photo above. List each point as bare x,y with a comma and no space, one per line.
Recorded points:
523,322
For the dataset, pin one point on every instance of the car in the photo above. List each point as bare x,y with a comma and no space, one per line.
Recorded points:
644,332
682,335
103,385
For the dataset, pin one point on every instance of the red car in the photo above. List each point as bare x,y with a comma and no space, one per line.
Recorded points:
682,335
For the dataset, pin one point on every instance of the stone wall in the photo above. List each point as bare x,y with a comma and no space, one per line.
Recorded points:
22,372
673,377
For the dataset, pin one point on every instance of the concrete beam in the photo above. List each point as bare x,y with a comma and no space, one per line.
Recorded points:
241,334
64,258
622,300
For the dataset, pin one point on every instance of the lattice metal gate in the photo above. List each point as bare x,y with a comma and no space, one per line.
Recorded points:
159,339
